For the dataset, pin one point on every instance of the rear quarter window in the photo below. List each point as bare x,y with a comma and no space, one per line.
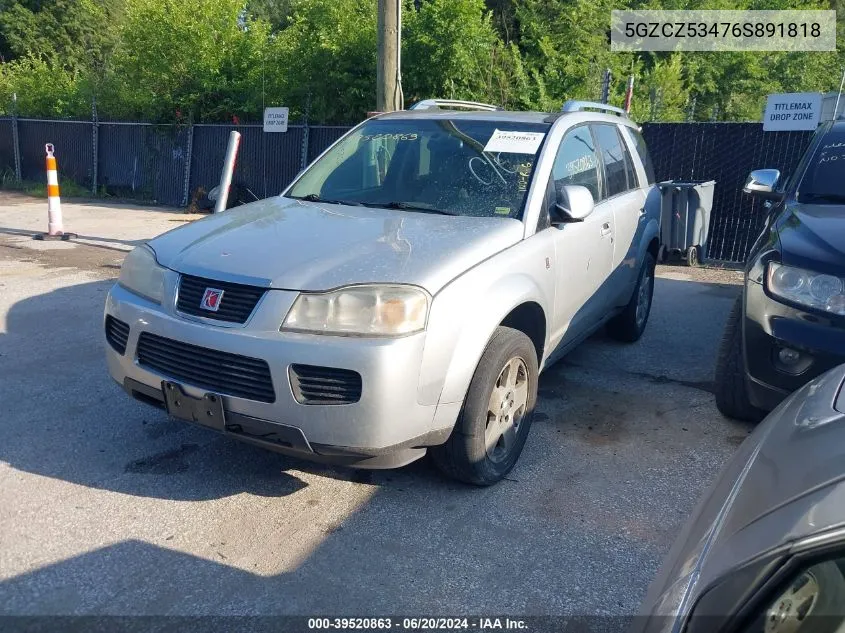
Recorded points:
642,152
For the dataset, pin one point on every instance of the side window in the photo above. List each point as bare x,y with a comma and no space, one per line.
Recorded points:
576,162
642,150
630,172
813,601
794,180
613,155
822,178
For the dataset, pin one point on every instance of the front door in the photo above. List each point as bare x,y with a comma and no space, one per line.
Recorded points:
583,250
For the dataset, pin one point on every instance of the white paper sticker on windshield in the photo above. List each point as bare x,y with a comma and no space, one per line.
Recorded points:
514,142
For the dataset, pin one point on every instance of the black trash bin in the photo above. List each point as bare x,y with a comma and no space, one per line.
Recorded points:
685,219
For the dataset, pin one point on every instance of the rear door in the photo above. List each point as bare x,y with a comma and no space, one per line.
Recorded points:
624,199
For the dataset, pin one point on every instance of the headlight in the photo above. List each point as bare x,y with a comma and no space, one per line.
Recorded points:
360,310
142,275
814,290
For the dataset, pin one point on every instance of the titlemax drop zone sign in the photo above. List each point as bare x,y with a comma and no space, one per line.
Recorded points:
792,111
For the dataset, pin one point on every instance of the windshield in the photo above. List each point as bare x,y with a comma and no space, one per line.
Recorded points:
823,181
447,166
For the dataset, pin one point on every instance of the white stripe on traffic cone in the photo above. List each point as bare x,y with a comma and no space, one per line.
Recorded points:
54,202
55,230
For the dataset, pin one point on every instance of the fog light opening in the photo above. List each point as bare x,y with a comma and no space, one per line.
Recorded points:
789,357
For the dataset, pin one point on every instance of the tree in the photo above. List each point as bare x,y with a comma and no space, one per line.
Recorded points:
325,59
184,60
208,60
276,13
449,51
42,90
74,34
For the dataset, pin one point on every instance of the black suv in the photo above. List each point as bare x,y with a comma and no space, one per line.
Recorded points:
789,324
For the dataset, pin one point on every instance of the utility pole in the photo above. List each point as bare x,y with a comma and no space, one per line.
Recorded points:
387,78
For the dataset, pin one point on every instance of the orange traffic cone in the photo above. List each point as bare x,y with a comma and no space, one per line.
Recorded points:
55,229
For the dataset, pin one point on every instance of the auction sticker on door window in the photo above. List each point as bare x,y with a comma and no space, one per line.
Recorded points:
514,142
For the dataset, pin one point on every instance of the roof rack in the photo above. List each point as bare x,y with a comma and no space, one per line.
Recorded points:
581,106
452,104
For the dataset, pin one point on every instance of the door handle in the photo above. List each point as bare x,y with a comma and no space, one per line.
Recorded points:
605,228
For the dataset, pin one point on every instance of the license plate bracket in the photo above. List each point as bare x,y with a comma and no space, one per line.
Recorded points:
207,411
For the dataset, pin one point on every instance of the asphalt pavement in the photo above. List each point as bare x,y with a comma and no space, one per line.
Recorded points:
109,507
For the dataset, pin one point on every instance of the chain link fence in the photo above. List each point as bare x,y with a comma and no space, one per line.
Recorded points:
726,153
174,165
73,137
7,150
146,162
164,164
266,163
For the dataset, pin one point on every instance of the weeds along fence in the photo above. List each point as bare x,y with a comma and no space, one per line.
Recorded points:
172,165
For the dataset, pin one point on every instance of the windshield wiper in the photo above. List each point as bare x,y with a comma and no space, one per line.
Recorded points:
407,206
313,197
822,197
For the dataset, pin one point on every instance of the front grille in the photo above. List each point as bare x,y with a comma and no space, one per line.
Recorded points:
117,334
237,303
221,372
324,385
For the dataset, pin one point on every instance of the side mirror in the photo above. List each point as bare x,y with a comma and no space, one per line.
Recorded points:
762,183
573,203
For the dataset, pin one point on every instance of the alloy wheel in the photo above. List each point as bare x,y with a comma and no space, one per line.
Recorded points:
507,406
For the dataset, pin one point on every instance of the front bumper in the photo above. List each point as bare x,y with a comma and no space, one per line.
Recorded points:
387,427
769,327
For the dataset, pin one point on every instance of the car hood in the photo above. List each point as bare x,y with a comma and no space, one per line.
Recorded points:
297,245
812,236
786,482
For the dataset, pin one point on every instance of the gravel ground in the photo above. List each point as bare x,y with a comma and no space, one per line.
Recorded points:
110,508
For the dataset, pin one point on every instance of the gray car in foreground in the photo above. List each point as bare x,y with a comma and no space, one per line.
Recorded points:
764,551
403,294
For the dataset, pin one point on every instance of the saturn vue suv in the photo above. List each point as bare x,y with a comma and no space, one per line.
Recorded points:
788,326
403,293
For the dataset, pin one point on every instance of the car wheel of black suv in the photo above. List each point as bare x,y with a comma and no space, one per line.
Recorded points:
629,325
496,417
731,389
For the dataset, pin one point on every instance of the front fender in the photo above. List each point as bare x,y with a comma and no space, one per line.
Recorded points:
465,314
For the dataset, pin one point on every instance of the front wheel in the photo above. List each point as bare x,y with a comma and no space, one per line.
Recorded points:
731,389
629,325
496,417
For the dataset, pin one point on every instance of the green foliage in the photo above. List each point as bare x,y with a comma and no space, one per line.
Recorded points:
448,50
212,60
43,89
38,189
181,60
327,51
73,34
275,12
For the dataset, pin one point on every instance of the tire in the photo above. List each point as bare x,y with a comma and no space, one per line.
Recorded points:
693,258
466,456
730,387
819,592
629,325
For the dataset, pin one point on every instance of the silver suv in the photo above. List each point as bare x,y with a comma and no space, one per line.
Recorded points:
403,294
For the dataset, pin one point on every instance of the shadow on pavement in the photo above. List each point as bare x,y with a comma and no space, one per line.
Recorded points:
568,533
70,421
130,243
